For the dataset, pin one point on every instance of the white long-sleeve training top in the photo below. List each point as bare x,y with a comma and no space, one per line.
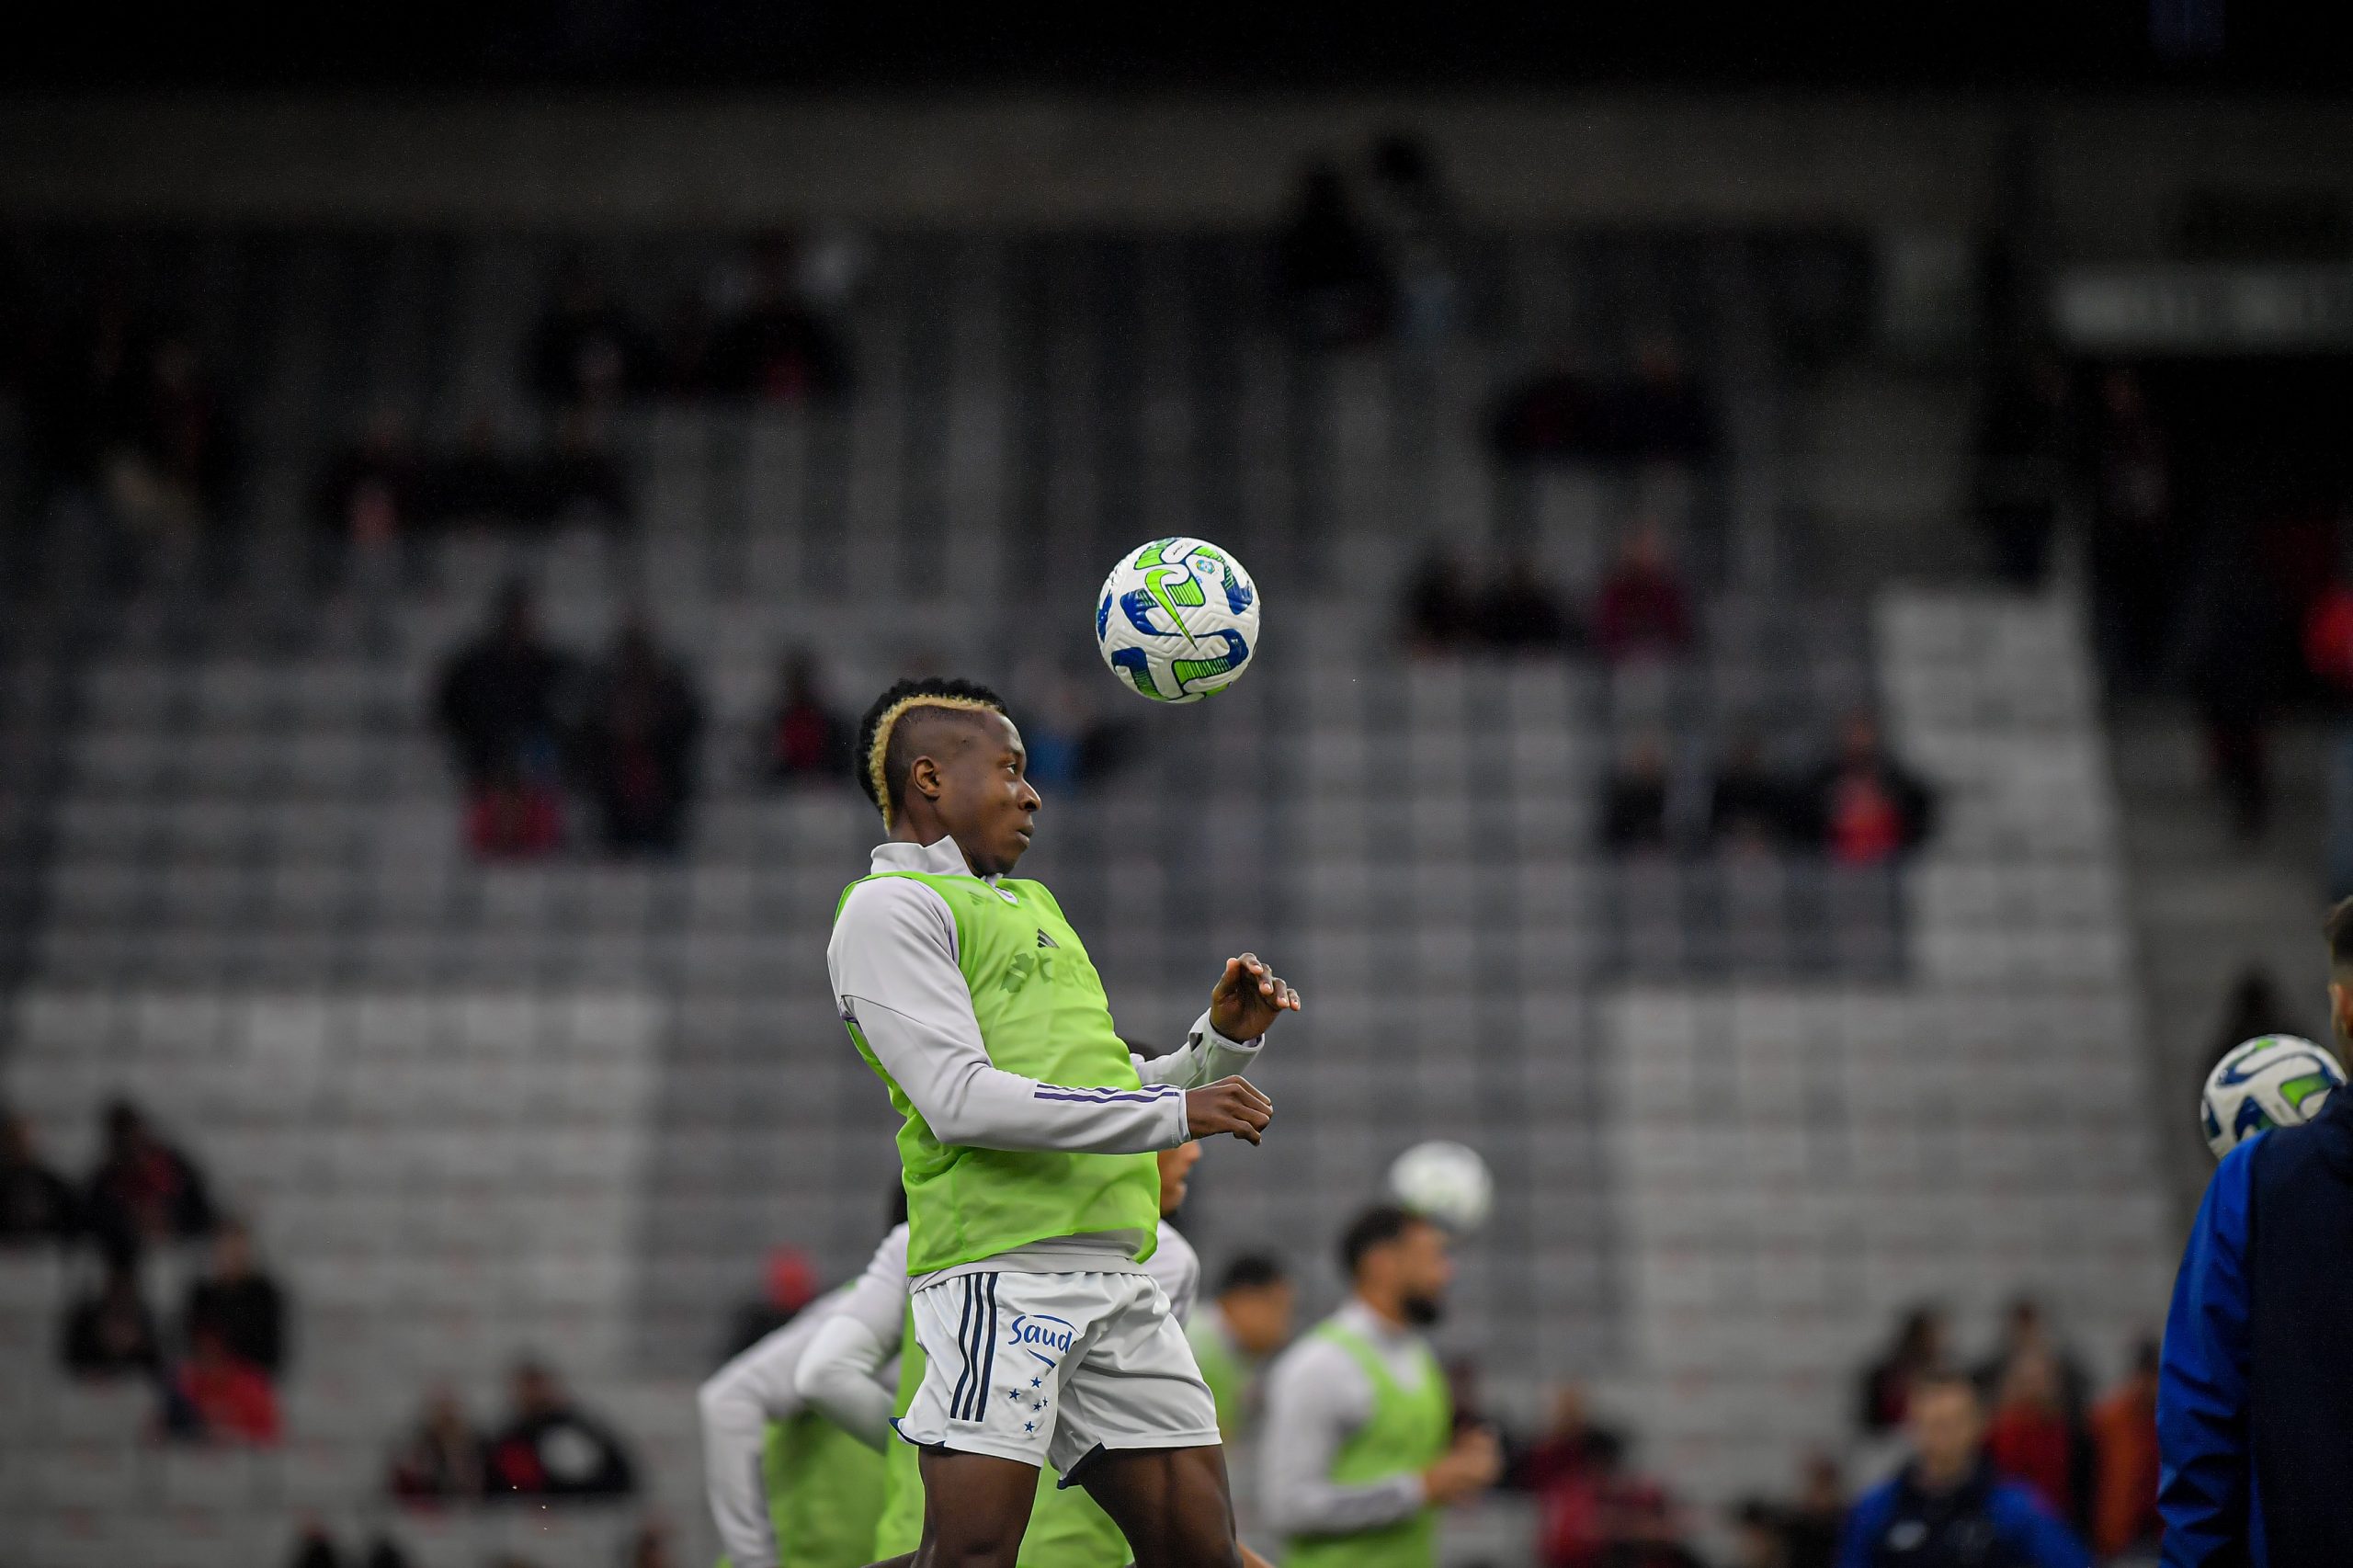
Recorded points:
892,964
842,1370
1317,1397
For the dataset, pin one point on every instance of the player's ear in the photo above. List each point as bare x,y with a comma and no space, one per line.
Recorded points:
922,778
2340,1007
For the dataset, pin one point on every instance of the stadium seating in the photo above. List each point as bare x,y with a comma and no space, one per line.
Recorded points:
1739,1113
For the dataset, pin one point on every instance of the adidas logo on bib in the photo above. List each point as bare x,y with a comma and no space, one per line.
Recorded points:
1046,941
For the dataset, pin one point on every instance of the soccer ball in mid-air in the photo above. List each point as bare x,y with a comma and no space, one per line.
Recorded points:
1177,619
1446,1182
2273,1080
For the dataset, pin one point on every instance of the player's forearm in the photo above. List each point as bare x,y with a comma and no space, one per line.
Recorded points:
967,1100
734,1436
1205,1057
837,1378
1316,1508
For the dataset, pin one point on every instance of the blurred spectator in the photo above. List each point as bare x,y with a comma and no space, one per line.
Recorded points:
1866,808
775,348
2255,1007
314,1549
1604,1514
1419,219
1748,805
2328,656
1560,412
1662,416
2231,628
807,736
1328,276
214,1396
172,458
1070,745
2021,451
1810,1527
513,815
2029,1440
1887,1384
2026,1332
1238,1330
1634,802
1641,610
1947,1505
585,349
2136,546
385,1552
36,1203
143,1191
109,1333
1756,1538
477,482
2124,1442
651,1547
367,498
639,725
1522,614
548,1448
1441,617
1563,1470
239,1303
1555,412
788,1283
499,697
441,1460
579,477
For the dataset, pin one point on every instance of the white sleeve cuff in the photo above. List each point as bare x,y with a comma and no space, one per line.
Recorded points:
1213,1041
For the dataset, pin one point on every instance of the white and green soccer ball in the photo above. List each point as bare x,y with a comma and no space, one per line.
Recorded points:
1444,1181
2273,1080
1177,619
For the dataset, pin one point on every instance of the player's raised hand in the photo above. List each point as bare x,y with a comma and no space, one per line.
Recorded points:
1471,1464
1230,1104
1247,998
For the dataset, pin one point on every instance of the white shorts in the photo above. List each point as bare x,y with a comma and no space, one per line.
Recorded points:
1046,1367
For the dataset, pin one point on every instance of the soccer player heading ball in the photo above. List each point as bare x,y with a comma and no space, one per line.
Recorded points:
1027,1149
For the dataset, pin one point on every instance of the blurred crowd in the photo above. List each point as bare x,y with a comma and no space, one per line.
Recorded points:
135,1221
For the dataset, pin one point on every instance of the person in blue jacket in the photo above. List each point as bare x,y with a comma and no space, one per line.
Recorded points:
2255,1393
1946,1508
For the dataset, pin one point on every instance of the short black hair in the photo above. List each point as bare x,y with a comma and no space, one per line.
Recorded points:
2338,929
1945,1375
880,762
1376,1227
1252,1271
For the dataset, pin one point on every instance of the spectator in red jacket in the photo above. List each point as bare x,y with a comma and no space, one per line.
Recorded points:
216,1398
143,1191
2028,1440
1642,611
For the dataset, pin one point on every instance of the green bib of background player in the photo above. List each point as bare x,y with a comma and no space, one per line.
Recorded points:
1066,1528
1409,1429
1043,1014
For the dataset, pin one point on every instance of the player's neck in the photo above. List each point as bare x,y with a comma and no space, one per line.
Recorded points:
1391,1313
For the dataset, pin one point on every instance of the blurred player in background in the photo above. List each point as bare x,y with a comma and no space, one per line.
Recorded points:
790,1486
2254,1412
1245,1322
1360,1445
1027,1153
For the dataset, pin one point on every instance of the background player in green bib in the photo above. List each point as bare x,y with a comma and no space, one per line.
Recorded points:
1246,1320
1025,1148
1360,1450
790,1487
